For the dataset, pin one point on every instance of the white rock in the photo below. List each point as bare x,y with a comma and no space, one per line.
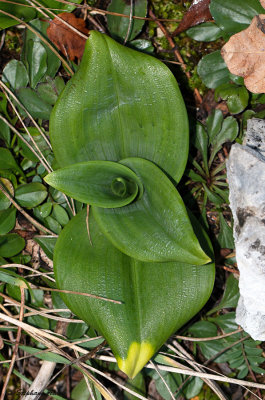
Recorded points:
246,178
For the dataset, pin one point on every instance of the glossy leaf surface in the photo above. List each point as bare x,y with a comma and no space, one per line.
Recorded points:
135,109
112,187
157,298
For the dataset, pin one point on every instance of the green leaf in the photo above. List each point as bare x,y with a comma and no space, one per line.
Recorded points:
143,45
207,32
7,161
4,201
228,133
114,117
36,61
167,233
25,13
81,392
48,92
5,132
60,214
101,183
76,331
31,194
15,74
213,70
235,96
11,244
201,143
12,278
225,237
212,196
135,330
7,220
232,15
52,61
58,6
47,355
47,243
34,104
120,27
230,296
52,224
214,124
45,209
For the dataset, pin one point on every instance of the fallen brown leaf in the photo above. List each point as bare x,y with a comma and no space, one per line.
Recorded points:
244,54
197,13
66,39
262,2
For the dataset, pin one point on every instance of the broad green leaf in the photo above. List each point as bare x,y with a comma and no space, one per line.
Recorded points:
37,107
15,74
7,220
20,11
11,244
31,194
135,329
233,15
113,117
36,61
167,233
207,32
230,297
214,124
213,70
225,237
120,27
235,96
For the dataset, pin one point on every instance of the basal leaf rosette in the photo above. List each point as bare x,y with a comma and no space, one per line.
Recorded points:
119,132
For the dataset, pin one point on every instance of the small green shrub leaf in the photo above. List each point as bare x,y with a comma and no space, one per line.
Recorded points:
31,194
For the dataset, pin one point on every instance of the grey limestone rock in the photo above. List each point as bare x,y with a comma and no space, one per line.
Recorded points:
246,178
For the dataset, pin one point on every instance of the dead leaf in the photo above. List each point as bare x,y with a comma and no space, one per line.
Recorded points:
244,54
197,13
66,39
262,2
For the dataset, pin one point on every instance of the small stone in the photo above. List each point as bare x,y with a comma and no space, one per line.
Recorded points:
246,178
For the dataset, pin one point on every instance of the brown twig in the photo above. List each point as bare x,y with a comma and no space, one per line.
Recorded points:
176,52
15,351
206,339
